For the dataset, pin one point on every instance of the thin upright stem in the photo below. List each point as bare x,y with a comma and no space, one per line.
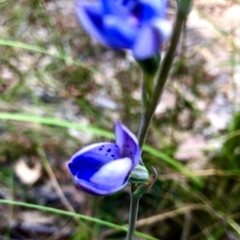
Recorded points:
150,109
161,80
134,203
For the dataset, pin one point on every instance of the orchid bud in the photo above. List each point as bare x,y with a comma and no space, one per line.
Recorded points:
139,174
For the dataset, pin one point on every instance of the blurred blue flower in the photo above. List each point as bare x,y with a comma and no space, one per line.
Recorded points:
104,168
138,25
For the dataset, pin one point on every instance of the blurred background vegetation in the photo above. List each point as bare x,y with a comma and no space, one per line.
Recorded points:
60,90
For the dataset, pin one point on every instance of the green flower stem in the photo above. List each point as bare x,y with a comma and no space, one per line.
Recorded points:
161,79
147,87
150,107
144,99
134,203
147,90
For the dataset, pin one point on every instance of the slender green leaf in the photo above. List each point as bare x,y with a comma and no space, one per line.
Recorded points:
75,215
38,49
98,132
56,122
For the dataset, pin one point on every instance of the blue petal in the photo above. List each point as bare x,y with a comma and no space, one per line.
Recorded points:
127,143
90,16
110,178
119,33
122,23
90,159
150,38
120,8
144,10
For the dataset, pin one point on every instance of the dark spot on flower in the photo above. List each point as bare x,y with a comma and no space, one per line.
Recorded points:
137,11
116,145
127,146
109,150
100,149
113,156
130,153
102,146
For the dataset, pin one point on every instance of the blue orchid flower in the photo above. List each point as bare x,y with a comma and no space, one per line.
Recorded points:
138,25
104,168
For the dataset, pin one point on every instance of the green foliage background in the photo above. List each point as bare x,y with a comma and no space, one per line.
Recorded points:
60,91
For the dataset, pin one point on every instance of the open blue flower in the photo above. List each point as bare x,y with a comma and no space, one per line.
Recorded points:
104,168
139,25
